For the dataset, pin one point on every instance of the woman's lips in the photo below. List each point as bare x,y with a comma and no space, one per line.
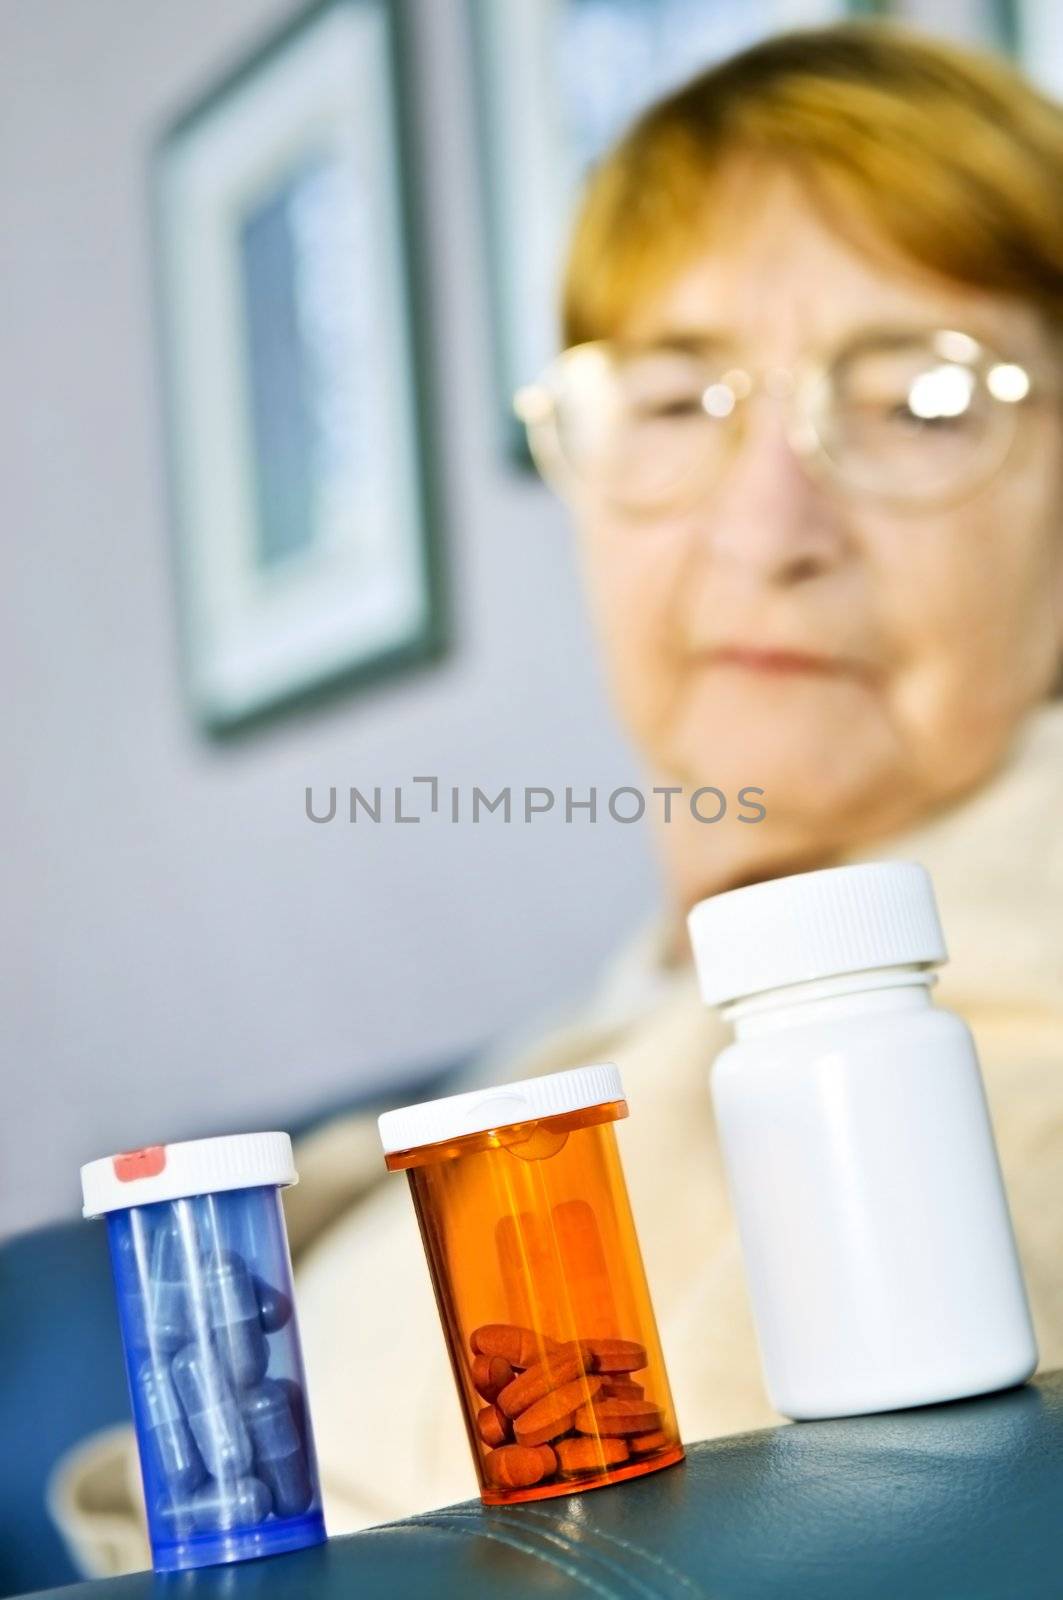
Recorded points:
780,662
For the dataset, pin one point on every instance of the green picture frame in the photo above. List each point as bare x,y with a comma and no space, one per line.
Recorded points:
304,498
1032,31
985,22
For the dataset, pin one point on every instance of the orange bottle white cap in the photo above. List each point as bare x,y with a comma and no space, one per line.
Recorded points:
480,1110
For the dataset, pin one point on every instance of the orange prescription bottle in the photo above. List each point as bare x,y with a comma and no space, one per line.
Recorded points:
535,1262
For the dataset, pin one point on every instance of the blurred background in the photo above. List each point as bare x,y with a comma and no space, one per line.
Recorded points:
221,268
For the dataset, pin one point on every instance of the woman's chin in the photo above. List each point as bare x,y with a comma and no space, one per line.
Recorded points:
822,753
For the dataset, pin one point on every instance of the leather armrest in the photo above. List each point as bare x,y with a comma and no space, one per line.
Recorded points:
956,1502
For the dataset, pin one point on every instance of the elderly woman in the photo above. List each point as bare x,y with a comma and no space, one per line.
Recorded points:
808,425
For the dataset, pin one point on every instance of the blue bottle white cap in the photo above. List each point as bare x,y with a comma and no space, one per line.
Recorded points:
499,1107
191,1167
815,925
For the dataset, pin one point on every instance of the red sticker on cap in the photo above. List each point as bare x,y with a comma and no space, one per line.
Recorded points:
146,1163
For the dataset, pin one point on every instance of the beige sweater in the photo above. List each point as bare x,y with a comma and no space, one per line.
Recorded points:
390,1436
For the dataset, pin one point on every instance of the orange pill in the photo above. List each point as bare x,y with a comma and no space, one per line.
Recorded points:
490,1375
616,1355
492,1426
549,1427
513,1466
549,1460
643,1443
590,1455
553,1414
554,1370
521,1347
618,1417
622,1389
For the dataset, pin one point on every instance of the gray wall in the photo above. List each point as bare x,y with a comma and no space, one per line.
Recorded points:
182,949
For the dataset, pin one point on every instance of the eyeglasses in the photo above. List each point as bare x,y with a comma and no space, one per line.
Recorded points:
913,418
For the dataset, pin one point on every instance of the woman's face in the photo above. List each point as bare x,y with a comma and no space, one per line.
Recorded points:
859,662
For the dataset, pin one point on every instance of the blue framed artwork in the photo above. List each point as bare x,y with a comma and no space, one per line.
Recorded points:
298,439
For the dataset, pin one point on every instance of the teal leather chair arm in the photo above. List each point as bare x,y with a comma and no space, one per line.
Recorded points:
957,1502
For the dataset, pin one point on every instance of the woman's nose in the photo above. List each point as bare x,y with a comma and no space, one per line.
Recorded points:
768,514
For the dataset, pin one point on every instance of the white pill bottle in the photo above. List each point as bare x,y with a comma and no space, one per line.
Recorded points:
878,1246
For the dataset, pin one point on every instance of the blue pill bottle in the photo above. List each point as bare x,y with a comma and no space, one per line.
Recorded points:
204,1284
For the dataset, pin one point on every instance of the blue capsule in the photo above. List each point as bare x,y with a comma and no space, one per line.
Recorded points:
213,1415
176,1516
234,1503
280,1459
274,1308
297,1402
168,1434
234,1319
166,1304
130,1249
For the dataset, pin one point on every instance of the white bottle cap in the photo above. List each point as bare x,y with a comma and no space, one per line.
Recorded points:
177,1171
483,1109
815,925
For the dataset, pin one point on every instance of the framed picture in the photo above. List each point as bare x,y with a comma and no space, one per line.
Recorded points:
972,22
557,81
1034,30
297,433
